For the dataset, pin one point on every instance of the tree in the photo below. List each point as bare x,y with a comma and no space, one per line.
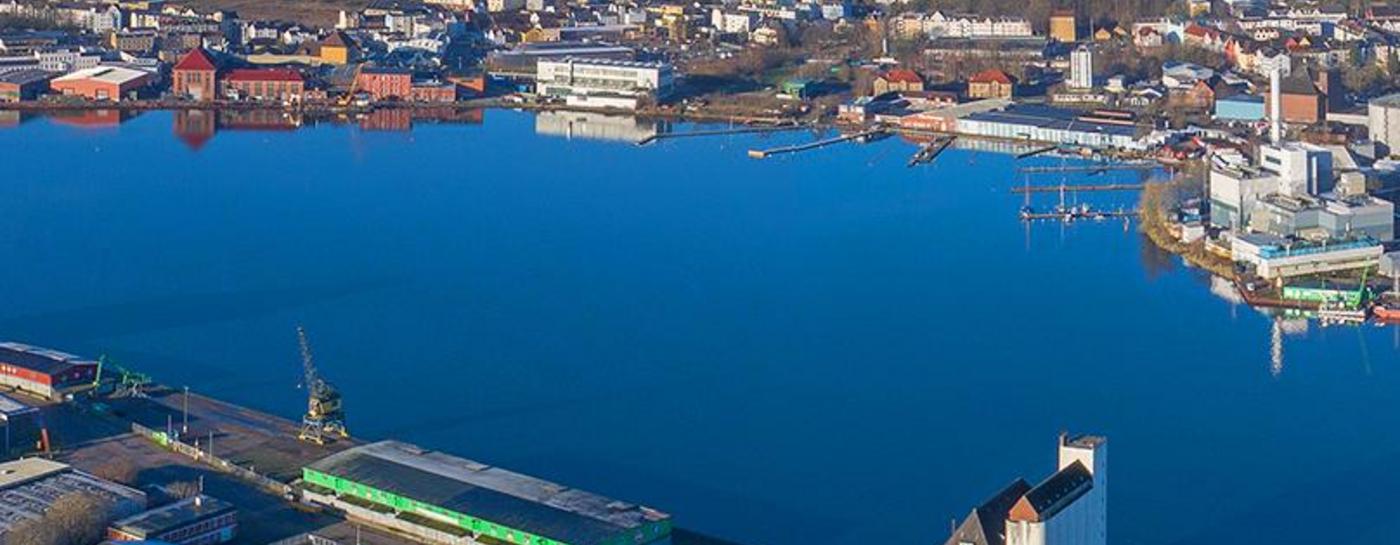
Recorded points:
78,518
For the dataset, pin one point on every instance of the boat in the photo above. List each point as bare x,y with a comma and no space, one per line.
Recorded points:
1389,314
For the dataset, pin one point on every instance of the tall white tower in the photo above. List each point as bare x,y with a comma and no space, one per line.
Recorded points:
1092,452
1081,68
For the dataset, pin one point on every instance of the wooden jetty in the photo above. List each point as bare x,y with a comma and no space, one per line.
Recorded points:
719,132
930,151
1072,188
1088,168
1035,152
860,136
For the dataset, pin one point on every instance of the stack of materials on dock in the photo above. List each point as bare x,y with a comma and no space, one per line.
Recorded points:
443,498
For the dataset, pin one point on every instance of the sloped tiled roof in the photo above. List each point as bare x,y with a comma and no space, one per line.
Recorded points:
992,75
986,524
196,59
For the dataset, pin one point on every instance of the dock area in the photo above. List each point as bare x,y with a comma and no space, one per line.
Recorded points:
860,136
930,151
1086,168
1078,213
1068,188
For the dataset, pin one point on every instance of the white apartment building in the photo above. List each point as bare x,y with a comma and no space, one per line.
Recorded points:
940,25
1383,118
733,22
1081,68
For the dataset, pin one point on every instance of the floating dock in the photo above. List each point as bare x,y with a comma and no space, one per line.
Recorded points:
1076,214
1073,188
864,136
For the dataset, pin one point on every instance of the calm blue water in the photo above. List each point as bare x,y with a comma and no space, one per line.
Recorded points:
823,348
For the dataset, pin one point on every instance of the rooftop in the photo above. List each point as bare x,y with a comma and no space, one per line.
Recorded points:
1051,118
38,359
1053,494
29,486
173,516
263,74
106,74
25,76
10,406
525,503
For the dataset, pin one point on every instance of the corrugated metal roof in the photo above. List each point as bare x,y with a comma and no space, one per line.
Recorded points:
503,497
42,360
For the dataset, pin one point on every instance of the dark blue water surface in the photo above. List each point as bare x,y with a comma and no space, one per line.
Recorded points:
822,348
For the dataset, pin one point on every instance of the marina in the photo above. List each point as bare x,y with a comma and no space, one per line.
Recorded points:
863,137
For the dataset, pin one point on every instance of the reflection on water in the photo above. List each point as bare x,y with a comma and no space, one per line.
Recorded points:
595,126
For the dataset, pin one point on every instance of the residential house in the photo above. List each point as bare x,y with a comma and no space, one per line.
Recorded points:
991,83
898,80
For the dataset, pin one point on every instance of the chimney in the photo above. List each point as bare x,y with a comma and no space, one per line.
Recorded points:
1276,105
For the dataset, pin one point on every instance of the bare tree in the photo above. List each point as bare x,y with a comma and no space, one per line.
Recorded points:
77,518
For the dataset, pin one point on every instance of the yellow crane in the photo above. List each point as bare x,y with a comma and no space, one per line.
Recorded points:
325,417
349,95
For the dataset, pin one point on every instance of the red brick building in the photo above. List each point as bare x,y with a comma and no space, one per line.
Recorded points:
195,76
434,92
264,84
1303,99
385,83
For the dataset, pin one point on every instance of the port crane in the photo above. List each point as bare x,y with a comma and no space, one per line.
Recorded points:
126,383
325,417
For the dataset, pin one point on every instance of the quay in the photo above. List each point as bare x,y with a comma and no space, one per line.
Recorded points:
720,132
860,136
122,428
1073,188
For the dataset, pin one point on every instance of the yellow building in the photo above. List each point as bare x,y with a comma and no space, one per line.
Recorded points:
337,49
1063,27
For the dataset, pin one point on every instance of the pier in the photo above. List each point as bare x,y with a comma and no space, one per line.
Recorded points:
1088,168
930,151
719,132
860,136
1035,152
1072,188
1077,213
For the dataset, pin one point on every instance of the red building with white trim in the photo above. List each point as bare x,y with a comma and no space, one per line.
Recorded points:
42,372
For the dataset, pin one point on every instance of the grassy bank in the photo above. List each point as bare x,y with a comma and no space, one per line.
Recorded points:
1156,206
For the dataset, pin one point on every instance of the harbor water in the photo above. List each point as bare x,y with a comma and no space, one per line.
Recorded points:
819,347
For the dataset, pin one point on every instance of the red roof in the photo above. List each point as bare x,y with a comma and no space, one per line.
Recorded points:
196,59
263,74
903,76
992,75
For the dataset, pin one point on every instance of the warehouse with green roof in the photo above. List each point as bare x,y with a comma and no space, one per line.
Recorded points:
448,499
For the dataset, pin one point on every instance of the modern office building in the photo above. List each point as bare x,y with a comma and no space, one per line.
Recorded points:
586,77
445,499
29,487
42,372
1292,169
1275,257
